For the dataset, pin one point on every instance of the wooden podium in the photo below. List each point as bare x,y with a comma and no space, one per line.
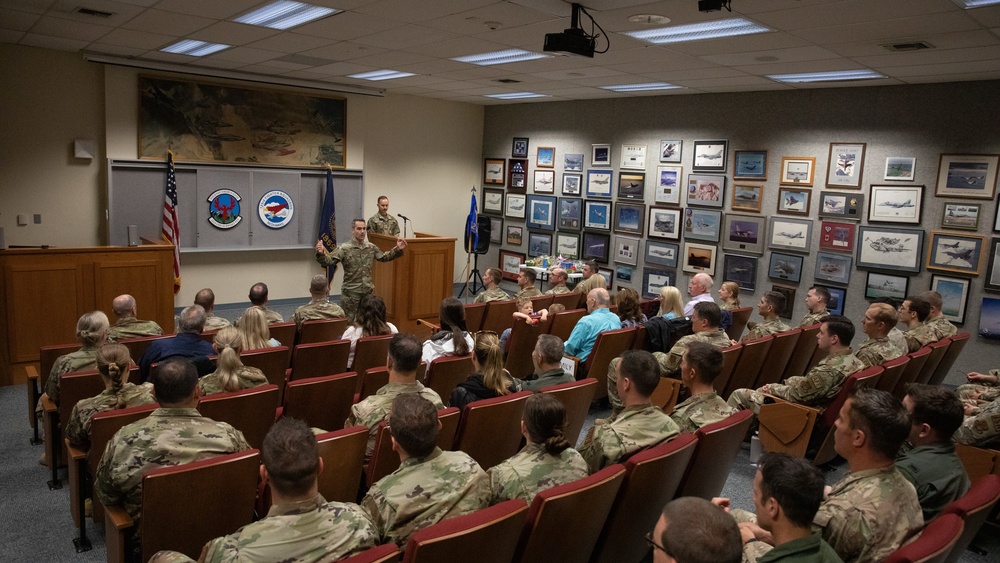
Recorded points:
45,290
414,284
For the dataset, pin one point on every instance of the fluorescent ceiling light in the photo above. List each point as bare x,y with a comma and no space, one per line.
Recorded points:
967,4
284,14
381,75
501,57
194,48
698,31
516,96
641,87
834,76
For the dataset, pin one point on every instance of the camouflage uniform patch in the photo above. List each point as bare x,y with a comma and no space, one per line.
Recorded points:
593,282
700,410
386,225
877,351
495,294
987,392
765,328
920,336
816,388
78,427
532,470
373,410
216,323
130,327
247,377
636,428
813,318
982,429
942,326
83,359
271,315
528,292
318,309
898,340
357,260
558,290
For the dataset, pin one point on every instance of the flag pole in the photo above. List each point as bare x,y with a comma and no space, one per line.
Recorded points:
468,256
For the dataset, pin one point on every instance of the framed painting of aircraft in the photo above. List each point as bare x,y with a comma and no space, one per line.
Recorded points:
790,234
833,268
993,269
886,285
747,197
954,296
964,216
661,253
899,168
895,204
654,279
750,165
670,150
798,170
699,258
742,270
952,252
510,264
794,201
745,233
710,156
841,205
972,176
888,248
787,267
847,163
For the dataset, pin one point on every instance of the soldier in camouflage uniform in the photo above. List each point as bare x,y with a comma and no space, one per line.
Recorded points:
912,313
320,306
982,387
127,326
92,332
936,318
404,358
770,304
206,298
816,300
640,425
592,279
824,380
878,320
557,279
492,291
700,365
258,298
173,434
430,485
981,426
357,255
381,222
113,363
526,283
301,526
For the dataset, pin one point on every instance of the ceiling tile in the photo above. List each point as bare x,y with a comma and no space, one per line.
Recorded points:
799,66
410,11
806,53
219,63
288,42
117,50
47,42
246,55
121,12
10,36
215,10
529,37
886,30
933,56
509,15
758,42
577,73
404,37
696,74
170,23
32,6
17,20
343,51
958,77
943,68
728,81
457,47
988,16
433,66
139,39
346,25
68,29
956,40
391,59
342,69
848,12
230,33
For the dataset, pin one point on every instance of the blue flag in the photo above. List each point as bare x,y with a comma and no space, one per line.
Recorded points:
328,223
472,227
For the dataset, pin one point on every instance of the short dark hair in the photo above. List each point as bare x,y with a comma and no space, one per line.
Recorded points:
699,532
550,348
710,312
495,274
640,367
932,298
413,422
174,380
592,264
319,285
530,275
920,306
356,220
405,351
937,407
795,483
823,292
775,299
881,417
839,326
706,359
258,293
291,457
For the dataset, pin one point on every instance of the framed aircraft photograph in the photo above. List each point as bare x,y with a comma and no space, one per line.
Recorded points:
706,190
542,212
881,286
493,171
833,268
573,162
626,250
568,245
749,165
661,253
952,252
539,244
895,204
989,318
670,150
847,163
841,205
710,156
790,234
599,183
889,248
787,267
624,274
493,202
664,222
631,185
519,147
954,296
600,155
655,279
899,168
571,184
668,185
963,216
510,264
794,201
546,157
837,236
699,258
702,224
496,233
517,174
634,157
629,218
992,282
597,215
745,233
972,176
544,181
570,213
516,204
838,297
596,246
742,270
515,235
789,293
798,170
747,197
609,276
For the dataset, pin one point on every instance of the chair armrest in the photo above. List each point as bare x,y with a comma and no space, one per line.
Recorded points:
32,381
50,422
117,527
428,324
776,399
77,469
786,427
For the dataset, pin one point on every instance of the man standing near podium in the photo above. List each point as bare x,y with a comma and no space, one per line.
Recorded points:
381,222
357,256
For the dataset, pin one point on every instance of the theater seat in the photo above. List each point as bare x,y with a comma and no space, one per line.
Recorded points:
490,429
321,330
484,536
321,402
934,543
251,411
387,553
974,507
576,396
718,445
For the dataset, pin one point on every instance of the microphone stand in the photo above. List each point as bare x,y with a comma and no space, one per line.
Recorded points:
405,221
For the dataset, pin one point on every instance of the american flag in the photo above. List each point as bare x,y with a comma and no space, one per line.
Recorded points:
171,228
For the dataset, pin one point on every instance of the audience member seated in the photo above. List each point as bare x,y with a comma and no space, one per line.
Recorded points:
206,299
255,331
983,387
300,526
113,362
92,332
592,279
640,425
320,306
545,461
231,374
258,299
935,319
403,360
526,285
430,485
729,295
824,380
173,434
912,313
671,306
787,492
770,304
525,312
598,319
981,426
700,365
895,335
454,338
490,379
816,303
126,324
491,281
693,530
879,319
186,344
930,462
628,308
369,321
557,279
700,290
547,357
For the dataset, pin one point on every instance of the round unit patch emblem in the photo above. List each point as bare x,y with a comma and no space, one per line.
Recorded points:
275,209
224,209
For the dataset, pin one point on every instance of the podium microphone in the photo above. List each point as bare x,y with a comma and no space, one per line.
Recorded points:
403,217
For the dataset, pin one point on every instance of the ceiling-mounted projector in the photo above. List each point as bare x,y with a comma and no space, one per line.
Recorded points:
572,41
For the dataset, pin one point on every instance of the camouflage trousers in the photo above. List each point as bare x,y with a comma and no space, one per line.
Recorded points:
350,301
756,549
617,406
744,399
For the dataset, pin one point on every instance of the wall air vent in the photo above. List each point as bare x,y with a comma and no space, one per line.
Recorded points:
93,12
908,46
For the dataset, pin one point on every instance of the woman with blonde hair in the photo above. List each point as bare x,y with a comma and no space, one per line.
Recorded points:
92,332
546,460
490,379
454,338
231,374
671,306
369,321
729,294
629,310
113,363
254,329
